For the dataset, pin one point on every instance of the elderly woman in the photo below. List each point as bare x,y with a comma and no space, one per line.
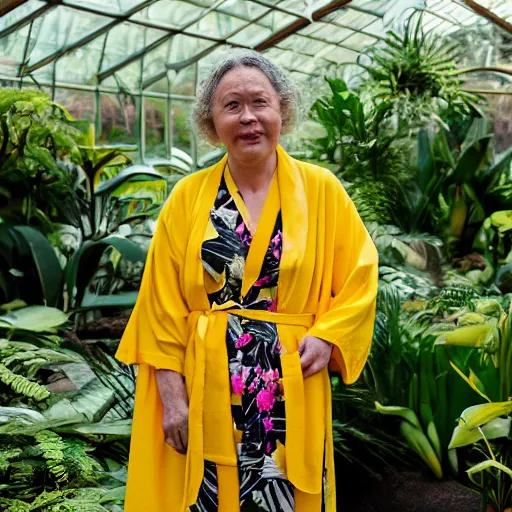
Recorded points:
260,276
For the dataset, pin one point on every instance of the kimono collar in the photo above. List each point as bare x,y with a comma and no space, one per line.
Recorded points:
294,213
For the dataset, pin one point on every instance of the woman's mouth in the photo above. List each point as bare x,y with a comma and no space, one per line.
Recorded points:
250,138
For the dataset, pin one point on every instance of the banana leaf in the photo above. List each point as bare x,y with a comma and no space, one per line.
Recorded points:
34,318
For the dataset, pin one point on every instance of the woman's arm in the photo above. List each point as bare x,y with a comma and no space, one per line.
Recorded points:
175,408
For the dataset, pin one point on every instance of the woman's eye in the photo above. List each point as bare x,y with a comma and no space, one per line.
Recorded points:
260,101
232,104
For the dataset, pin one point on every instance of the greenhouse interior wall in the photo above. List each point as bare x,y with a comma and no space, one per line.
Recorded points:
407,102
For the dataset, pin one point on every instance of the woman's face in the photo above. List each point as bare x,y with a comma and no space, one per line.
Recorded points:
247,114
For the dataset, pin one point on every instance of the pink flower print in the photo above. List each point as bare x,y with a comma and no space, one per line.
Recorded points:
245,373
277,243
269,448
265,399
237,383
263,281
252,386
243,340
240,229
267,423
258,370
271,305
270,375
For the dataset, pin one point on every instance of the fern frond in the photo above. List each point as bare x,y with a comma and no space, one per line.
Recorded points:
52,448
22,385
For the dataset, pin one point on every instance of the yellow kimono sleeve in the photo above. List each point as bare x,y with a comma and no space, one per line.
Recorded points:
156,333
348,323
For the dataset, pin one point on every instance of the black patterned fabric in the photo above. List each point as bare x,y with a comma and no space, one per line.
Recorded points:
253,349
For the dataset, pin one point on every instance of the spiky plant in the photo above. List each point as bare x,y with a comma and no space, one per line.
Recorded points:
416,72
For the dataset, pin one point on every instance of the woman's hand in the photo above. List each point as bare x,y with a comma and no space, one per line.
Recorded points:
175,425
173,394
315,354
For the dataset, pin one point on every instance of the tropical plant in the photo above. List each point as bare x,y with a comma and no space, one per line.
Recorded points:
370,161
415,74
37,137
65,409
412,377
487,427
457,186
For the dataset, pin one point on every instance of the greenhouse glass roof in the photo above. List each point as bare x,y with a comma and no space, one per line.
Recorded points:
159,47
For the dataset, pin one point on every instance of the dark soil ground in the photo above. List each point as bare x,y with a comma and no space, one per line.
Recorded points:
403,491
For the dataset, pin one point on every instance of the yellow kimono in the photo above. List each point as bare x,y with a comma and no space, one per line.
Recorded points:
327,287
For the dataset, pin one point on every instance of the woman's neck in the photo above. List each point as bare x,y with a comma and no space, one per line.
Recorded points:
252,177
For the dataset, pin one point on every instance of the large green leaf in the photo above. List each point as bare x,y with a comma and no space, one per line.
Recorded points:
494,429
46,263
84,262
135,171
34,318
478,415
472,159
404,412
120,300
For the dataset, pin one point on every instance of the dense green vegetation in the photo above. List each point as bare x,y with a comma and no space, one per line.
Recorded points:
416,153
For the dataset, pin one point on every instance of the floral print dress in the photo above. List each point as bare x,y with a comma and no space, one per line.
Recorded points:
253,348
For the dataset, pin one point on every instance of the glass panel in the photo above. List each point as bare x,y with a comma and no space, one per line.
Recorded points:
21,12
81,65
243,9
331,33
155,61
303,6
170,14
160,85
117,7
376,28
44,74
377,6
339,54
118,119
302,44
268,25
355,20
181,127
185,81
11,50
185,47
79,103
126,39
216,25
155,111
359,41
63,27
129,77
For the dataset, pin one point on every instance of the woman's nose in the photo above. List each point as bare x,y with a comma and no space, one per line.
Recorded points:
247,115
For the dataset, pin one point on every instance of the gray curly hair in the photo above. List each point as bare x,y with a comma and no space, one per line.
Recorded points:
284,87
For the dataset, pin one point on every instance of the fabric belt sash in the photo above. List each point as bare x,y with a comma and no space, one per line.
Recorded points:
208,385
